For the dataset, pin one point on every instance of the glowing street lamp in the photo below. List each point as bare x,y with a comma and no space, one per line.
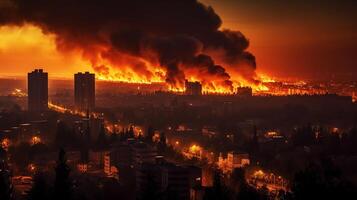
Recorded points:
5,143
35,140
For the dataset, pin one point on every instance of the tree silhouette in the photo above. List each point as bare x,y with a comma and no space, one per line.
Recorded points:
242,190
130,133
40,189
218,191
62,183
322,180
3,154
149,134
6,187
237,179
161,145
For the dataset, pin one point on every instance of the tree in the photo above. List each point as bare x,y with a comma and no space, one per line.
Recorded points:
131,132
247,192
161,145
149,134
6,187
3,154
40,189
242,190
322,180
237,179
218,191
62,182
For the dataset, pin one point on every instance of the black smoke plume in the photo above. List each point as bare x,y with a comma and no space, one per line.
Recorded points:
177,35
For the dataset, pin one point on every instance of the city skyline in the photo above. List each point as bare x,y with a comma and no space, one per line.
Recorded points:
178,99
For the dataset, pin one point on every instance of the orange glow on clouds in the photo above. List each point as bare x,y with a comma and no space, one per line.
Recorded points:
25,48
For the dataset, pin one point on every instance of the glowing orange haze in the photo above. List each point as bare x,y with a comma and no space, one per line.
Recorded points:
25,48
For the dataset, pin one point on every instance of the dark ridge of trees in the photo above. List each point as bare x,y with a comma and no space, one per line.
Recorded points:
322,180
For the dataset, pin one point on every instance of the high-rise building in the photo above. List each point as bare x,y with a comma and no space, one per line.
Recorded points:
193,88
37,83
84,91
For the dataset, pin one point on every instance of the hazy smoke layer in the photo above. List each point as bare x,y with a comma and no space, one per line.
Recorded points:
182,37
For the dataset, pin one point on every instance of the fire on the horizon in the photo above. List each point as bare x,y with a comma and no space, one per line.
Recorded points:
146,50
210,75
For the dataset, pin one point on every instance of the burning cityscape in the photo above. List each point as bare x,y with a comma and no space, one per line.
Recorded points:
178,99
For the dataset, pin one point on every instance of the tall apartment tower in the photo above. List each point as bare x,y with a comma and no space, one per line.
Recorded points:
37,86
84,91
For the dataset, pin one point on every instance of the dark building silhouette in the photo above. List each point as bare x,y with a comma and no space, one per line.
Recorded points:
193,88
37,83
84,91
167,178
245,91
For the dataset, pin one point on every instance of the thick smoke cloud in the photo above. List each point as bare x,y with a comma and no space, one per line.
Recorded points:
180,36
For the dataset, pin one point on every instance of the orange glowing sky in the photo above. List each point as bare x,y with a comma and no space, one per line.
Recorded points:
288,39
24,48
296,38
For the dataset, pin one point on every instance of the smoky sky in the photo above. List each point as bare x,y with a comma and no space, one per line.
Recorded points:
307,39
178,35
